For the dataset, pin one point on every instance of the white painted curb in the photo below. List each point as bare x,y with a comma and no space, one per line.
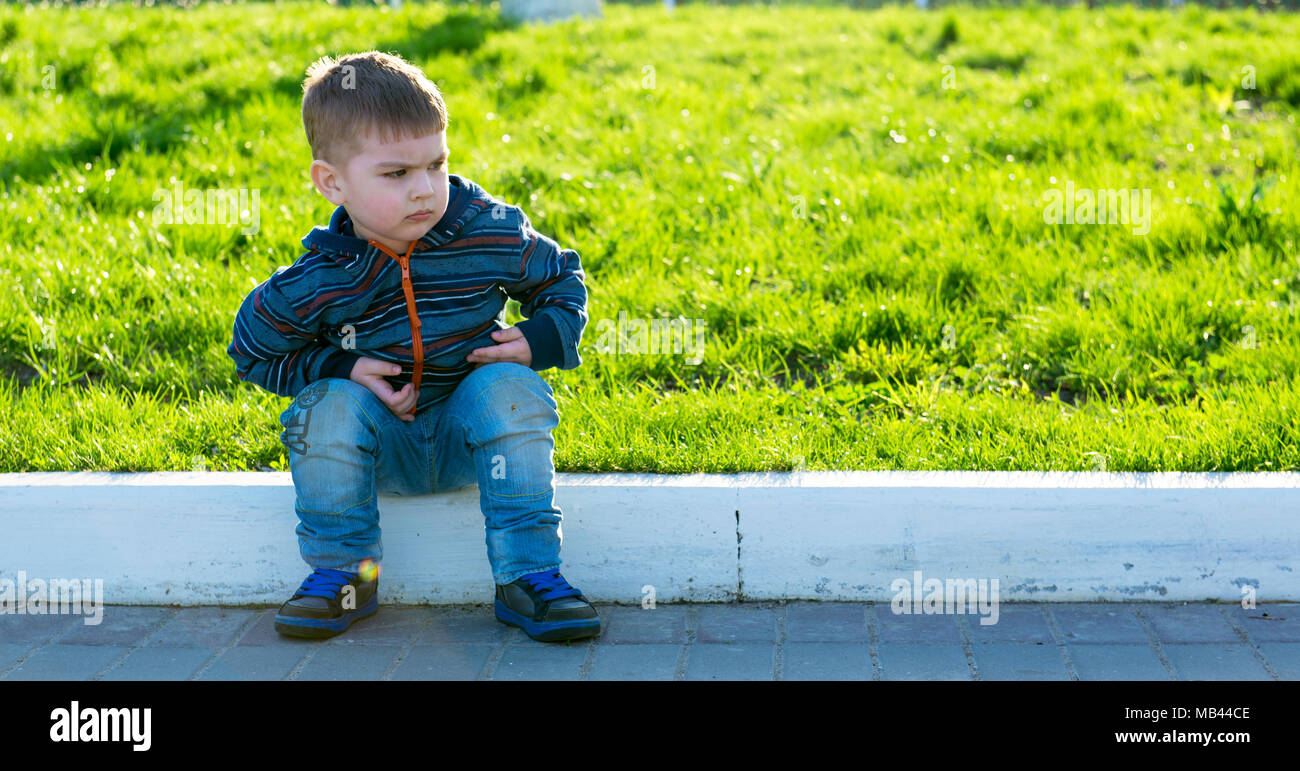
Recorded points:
191,538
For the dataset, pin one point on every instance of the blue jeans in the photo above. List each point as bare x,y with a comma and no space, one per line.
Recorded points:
345,446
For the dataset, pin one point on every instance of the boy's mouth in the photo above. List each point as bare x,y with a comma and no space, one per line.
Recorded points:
420,215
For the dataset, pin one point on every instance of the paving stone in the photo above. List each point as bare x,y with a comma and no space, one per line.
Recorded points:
826,622
1272,622
255,662
824,641
1108,623
66,662
390,626
635,661
443,661
1200,623
11,652
205,627
1015,623
160,664
826,661
734,623
34,629
532,660
1019,661
905,627
349,662
1116,661
1284,657
263,632
923,661
632,624
121,625
475,626
731,661
1214,661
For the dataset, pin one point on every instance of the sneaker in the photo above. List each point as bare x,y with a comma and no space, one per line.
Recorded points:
546,607
317,608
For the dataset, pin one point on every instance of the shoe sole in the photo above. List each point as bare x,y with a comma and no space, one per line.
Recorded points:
552,631
316,628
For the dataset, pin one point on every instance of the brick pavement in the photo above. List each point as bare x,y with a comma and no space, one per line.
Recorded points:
794,640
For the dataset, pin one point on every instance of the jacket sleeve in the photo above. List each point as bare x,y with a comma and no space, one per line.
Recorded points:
552,297
273,349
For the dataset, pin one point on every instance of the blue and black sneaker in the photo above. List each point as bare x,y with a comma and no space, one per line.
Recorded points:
324,605
546,607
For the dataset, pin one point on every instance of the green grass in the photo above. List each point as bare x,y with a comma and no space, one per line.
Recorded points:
912,311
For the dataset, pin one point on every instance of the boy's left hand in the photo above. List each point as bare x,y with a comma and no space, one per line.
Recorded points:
513,347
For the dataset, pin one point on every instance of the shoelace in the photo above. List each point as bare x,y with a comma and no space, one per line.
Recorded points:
325,582
551,586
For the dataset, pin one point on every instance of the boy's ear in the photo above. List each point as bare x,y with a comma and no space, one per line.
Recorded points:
328,182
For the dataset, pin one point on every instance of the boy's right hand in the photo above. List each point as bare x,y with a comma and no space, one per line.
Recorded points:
371,372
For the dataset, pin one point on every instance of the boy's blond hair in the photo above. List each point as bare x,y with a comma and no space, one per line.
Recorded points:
369,92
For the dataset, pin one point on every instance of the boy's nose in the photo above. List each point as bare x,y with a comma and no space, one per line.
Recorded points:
426,189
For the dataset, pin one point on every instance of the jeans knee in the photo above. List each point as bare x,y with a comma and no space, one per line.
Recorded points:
327,410
510,394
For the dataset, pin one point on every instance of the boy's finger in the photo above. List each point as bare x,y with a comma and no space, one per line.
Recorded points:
490,355
392,398
382,389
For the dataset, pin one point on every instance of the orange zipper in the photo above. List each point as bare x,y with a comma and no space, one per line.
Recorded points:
417,339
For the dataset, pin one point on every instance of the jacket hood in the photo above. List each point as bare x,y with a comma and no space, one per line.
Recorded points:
340,240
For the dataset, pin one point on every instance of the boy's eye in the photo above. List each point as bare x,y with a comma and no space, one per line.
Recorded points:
394,174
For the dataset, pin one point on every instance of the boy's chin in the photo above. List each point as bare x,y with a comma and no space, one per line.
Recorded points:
406,230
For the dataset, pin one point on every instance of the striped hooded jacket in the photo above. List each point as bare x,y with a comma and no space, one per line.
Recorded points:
347,297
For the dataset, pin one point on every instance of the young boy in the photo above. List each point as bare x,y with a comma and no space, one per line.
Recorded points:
389,331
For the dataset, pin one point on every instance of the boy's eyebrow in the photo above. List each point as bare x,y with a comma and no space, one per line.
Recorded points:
404,164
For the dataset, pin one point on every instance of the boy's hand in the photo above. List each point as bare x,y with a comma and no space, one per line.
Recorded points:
513,347
370,373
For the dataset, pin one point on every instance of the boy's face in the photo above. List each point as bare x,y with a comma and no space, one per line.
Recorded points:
384,184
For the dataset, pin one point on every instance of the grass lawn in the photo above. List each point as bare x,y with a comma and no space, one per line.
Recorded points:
855,204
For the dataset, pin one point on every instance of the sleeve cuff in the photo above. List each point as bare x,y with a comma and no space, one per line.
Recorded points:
544,341
338,363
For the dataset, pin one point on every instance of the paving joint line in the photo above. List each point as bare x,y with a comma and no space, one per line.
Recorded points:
778,656
407,646
115,663
312,649
39,646
1059,637
967,648
239,634
1154,641
873,642
684,654
589,660
490,666
1240,629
